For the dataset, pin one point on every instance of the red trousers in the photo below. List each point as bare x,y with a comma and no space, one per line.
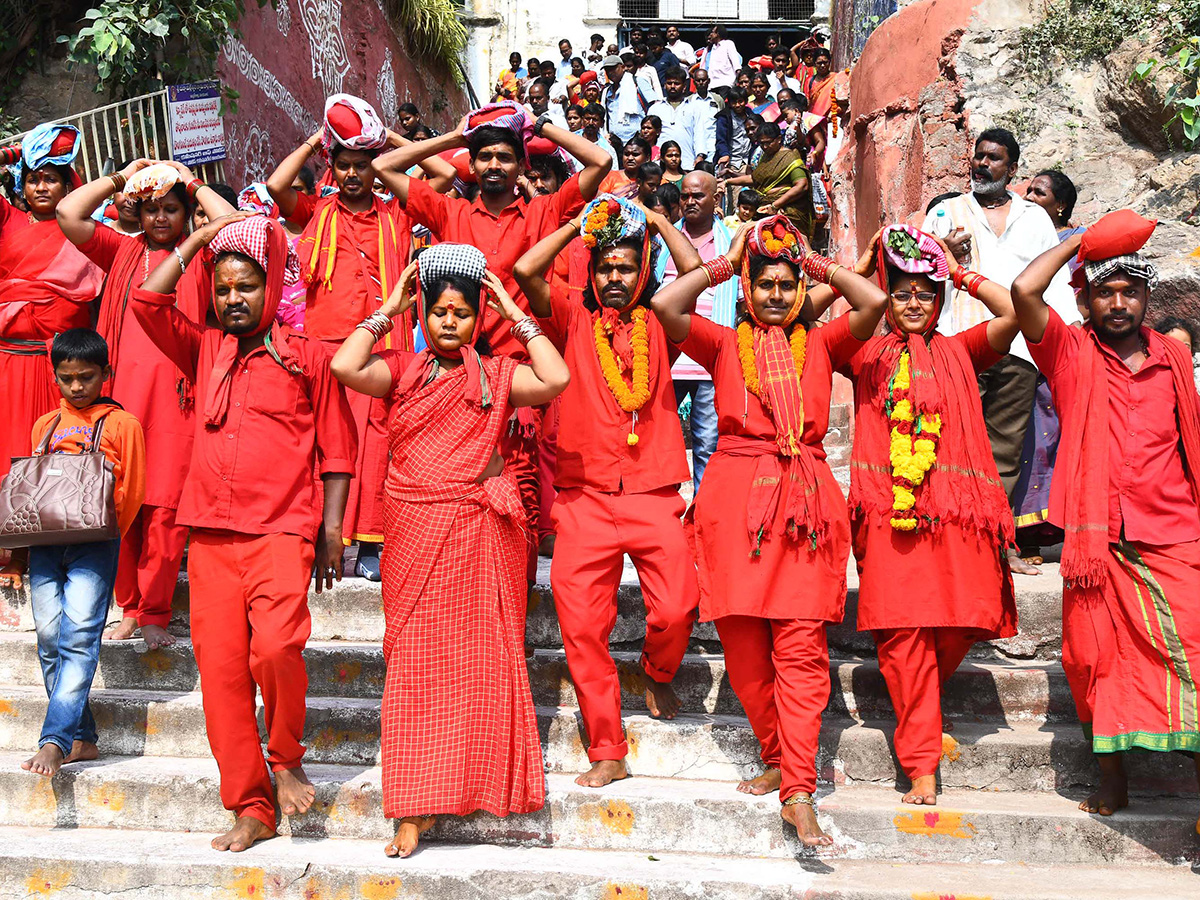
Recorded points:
363,520
148,567
519,447
595,530
779,668
547,462
250,622
916,662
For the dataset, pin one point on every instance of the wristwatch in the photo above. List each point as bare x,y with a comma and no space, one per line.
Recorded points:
542,120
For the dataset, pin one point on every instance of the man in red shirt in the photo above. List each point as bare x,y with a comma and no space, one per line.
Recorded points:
620,463
1126,492
504,226
269,414
352,252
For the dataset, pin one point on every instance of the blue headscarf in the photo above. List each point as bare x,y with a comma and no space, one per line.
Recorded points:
39,144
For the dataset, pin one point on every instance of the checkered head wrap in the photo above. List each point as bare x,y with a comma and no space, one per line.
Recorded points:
462,260
251,237
1133,263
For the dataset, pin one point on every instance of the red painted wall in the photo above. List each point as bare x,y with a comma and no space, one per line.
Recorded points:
288,60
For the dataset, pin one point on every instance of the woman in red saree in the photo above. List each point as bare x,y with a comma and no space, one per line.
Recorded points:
459,729
927,510
46,286
769,526
145,381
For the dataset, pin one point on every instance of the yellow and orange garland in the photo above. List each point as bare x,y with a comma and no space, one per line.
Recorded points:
913,445
745,343
630,399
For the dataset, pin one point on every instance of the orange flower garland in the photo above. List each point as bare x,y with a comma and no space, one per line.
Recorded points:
745,339
629,399
913,446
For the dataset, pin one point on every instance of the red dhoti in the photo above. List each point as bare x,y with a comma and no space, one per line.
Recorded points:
779,669
1128,649
519,445
250,622
364,506
595,530
547,461
27,391
148,569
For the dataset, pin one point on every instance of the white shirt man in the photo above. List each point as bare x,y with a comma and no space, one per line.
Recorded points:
1028,232
622,108
778,82
678,125
683,51
704,109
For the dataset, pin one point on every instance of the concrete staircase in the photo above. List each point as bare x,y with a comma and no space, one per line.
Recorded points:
136,823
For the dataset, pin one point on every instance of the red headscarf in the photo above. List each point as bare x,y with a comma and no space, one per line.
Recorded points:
264,241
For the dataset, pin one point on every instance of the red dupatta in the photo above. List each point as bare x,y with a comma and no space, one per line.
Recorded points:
39,265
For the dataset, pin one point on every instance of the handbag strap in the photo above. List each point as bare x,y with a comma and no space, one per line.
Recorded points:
43,446
97,431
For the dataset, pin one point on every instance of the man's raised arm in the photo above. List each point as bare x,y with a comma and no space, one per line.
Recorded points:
1033,313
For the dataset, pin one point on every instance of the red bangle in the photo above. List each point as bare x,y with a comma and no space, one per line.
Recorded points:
718,270
193,186
817,267
965,279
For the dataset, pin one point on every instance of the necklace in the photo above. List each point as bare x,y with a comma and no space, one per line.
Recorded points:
630,399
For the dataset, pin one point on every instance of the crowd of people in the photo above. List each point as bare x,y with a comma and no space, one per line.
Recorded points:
458,351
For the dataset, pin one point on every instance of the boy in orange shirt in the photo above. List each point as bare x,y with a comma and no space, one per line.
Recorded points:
71,584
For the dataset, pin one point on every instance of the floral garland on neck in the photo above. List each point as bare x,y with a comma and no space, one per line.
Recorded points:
913,446
629,399
745,342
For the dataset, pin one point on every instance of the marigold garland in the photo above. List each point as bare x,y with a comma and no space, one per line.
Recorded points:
745,340
629,399
913,445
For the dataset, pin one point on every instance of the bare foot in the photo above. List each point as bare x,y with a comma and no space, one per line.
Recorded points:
156,636
804,819
1112,795
408,835
122,631
246,831
602,772
1020,566
947,726
46,761
661,699
293,791
82,751
765,783
923,791
11,575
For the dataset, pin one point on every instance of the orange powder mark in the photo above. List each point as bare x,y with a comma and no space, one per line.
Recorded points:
934,824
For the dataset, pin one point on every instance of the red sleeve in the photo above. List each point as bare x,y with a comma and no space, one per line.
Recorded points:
704,341
337,436
427,207
104,245
306,205
568,203
839,342
177,336
1058,347
975,342
558,324
397,362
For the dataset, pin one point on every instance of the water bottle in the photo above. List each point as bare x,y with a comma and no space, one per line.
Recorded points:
941,223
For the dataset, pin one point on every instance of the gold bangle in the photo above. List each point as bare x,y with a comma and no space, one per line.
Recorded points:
829,277
118,182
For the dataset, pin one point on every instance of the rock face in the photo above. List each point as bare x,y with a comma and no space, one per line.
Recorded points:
940,71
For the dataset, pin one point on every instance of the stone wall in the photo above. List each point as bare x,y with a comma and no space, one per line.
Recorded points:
288,59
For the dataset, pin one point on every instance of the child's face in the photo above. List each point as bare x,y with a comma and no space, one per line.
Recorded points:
791,114
80,382
745,213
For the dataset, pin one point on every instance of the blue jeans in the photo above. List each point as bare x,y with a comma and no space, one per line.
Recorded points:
704,422
70,588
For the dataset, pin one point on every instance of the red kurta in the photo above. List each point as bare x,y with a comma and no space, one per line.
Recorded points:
355,290
45,288
145,381
963,582
789,579
459,729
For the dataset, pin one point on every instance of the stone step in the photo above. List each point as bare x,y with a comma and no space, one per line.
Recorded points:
353,611
345,731
648,815
983,690
149,865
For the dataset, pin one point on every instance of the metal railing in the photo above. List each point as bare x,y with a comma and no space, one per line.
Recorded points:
124,131
717,10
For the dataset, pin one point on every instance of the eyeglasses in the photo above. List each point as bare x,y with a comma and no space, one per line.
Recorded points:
905,296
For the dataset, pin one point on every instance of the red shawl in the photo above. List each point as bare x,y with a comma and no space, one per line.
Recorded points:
1083,455
39,265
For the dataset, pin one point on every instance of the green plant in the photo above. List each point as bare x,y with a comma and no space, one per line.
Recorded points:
1183,61
434,31
140,45
1076,32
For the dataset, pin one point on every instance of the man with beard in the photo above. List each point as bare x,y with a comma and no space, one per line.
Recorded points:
676,112
352,251
684,52
711,238
620,461
503,225
997,234
1126,493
